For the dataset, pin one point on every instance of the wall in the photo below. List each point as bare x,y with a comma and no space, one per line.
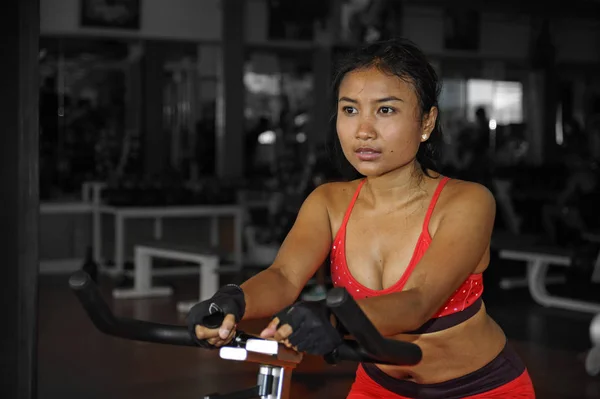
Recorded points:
505,36
577,40
257,19
172,19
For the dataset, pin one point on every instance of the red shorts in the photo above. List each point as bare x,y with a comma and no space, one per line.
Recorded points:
365,388
504,378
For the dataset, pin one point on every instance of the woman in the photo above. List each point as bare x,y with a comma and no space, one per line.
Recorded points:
409,244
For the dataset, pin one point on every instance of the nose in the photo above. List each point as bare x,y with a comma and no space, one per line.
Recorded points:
366,130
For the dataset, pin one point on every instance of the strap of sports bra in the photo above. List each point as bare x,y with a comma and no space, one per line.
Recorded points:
434,199
351,205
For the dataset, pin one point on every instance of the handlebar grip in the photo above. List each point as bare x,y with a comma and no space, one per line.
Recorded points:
104,320
369,346
98,311
358,325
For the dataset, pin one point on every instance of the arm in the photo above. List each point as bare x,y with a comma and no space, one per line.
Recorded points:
303,251
460,242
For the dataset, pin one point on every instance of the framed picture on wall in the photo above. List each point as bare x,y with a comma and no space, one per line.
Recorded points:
367,21
120,14
295,20
461,30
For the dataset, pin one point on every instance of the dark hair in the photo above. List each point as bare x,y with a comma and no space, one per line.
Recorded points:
402,58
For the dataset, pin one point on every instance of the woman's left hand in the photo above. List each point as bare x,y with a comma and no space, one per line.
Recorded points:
279,334
306,327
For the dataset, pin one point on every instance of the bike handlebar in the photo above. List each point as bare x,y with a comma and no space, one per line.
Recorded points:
369,347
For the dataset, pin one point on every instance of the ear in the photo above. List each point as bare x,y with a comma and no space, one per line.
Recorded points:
428,123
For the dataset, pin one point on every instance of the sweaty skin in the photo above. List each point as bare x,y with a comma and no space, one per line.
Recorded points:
380,127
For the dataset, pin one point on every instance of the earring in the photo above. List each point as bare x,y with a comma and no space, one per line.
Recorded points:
424,137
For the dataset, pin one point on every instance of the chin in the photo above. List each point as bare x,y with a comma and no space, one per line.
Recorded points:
377,170
370,170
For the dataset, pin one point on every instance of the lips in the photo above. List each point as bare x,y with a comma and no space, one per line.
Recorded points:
367,153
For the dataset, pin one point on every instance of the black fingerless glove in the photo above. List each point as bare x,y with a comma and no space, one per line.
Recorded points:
313,332
227,300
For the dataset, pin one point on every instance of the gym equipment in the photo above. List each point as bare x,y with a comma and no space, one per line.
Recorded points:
592,360
276,360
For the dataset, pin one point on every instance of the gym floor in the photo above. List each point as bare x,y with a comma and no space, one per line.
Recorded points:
77,361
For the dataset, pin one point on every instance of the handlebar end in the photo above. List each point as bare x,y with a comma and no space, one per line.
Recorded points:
79,280
336,297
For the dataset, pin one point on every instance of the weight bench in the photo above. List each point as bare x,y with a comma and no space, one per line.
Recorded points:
208,268
539,258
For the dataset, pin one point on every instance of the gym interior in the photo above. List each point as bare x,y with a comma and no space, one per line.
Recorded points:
164,149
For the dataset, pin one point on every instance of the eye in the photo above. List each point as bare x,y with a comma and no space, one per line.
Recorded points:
349,110
387,110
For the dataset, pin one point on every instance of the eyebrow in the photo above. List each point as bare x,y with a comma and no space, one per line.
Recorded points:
380,100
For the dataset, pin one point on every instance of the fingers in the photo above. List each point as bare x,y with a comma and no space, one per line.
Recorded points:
205,333
218,336
288,344
278,334
218,341
227,326
271,329
283,333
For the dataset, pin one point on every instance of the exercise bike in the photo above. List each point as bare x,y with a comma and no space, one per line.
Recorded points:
276,361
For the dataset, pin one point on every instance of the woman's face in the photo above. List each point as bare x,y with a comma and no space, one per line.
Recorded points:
379,121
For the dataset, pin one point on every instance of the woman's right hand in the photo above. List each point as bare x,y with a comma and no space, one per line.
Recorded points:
205,320
219,336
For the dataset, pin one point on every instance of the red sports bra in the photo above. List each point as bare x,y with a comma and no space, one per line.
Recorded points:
463,303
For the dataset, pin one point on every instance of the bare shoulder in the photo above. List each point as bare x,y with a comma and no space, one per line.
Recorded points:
336,192
460,197
336,196
469,193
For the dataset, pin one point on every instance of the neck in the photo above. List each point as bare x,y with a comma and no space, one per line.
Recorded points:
397,186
